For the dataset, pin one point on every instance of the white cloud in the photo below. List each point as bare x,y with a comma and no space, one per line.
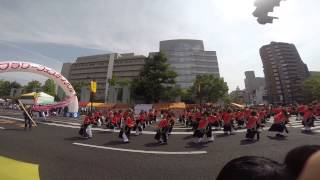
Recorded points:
226,26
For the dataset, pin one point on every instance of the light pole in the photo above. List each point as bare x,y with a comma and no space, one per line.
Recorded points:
200,96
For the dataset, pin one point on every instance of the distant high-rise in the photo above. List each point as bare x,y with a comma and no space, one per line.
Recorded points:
189,59
284,72
255,87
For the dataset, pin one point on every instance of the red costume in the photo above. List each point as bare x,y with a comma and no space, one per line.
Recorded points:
129,122
203,123
163,123
252,122
226,117
279,118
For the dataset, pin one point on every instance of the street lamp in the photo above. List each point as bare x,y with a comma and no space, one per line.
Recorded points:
200,95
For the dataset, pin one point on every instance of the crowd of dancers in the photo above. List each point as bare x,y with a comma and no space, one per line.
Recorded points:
203,121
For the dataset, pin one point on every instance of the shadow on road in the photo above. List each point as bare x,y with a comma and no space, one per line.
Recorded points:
194,145
224,135
113,143
284,138
247,142
16,129
75,138
153,144
188,137
104,132
309,132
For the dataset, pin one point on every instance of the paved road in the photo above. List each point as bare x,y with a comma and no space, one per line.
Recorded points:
52,148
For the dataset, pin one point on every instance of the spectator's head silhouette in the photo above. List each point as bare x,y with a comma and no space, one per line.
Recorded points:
252,168
297,158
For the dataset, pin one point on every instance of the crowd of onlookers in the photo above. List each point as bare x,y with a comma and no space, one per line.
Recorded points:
9,105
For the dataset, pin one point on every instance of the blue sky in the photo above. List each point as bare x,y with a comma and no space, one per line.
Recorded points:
52,32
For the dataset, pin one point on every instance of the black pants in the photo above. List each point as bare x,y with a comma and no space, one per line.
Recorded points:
161,134
209,131
251,133
27,121
138,125
128,131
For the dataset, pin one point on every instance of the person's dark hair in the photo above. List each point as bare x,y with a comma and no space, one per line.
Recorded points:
252,168
296,158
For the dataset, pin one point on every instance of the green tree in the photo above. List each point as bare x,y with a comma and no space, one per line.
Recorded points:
237,96
208,88
311,88
4,88
114,81
77,87
49,87
15,84
154,80
32,85
186,96
171,93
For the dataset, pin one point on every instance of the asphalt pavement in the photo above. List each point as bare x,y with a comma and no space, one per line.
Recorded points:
62,154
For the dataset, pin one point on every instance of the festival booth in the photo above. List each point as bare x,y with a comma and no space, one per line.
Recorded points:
238,105
122,107
192,106
161,106
105,106
40,98
177,106
170,106
86,106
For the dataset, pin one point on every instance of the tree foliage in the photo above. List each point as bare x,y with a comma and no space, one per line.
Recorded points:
117,82
49,87
155,80
208,88
77,87
311,88
32,85
6,86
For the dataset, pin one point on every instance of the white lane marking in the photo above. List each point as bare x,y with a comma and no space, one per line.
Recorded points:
181,128
111,130
2,128
12,118
142,151
60,125
300,126
70,123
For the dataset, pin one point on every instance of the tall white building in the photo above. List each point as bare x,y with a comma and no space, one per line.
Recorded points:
189,59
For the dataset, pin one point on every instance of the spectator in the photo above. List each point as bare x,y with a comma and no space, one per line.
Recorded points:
311,169
252,168
297,158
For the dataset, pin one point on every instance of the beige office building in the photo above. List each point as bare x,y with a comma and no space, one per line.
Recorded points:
101,68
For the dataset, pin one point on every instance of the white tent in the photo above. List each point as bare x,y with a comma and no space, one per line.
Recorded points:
40,98
142,107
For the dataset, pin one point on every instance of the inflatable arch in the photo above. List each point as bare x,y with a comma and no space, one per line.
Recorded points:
71,101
